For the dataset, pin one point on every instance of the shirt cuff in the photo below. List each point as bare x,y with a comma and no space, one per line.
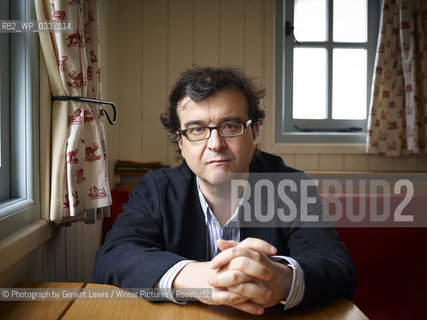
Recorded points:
296,294
165,282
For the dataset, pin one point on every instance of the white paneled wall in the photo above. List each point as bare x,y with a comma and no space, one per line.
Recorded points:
148,43
67,256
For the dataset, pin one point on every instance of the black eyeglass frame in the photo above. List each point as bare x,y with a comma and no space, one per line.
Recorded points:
245,126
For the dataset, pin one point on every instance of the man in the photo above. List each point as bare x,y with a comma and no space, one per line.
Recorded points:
180,229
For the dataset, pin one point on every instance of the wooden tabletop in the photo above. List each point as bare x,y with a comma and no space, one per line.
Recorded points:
138,309
141,309
45,310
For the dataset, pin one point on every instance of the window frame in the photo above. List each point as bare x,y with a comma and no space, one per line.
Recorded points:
284,124
23,206
4,107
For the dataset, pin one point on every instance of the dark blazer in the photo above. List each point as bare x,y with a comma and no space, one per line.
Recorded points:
163,223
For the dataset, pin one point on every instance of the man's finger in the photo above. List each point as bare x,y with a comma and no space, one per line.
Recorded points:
229,278
258,245
251,267
225,257
223,296
226,244
249,307
253,291
251,243
252,264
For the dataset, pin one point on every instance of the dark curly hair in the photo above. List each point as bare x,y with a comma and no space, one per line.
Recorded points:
199,83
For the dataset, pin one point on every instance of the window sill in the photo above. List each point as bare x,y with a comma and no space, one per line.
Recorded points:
317,148
22,242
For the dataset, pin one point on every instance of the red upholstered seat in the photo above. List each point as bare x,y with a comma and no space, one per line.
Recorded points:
391,269
119,197
390,262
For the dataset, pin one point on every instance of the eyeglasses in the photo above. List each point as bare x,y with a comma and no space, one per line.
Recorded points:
226,130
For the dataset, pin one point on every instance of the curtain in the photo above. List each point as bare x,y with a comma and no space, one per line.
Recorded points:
79,174
397,122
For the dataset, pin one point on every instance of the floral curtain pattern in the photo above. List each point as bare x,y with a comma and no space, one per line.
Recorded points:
79,173
397,121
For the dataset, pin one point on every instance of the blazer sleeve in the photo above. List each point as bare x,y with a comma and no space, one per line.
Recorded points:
133,255
328,267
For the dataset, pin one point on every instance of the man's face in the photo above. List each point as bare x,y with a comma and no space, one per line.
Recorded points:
210,158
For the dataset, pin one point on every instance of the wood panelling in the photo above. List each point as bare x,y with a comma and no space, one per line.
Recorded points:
381,164
70,236
48,258
289,159
404,164
180,53
307,162
331,162
356,162
92,238
111,90
206,32
130,77
154,85
180,40
60,253
422,164
34,267
254,38
232,21
15,273
67,256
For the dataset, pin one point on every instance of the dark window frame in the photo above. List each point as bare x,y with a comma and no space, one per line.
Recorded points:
4,107
285,125
22,207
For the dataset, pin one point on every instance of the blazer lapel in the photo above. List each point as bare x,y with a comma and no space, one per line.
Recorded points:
195,228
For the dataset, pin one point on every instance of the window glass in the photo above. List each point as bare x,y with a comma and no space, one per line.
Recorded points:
310,20
349,84
309,82
350,21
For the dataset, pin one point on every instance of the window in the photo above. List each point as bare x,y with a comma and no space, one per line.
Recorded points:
19,96
325,57
4,108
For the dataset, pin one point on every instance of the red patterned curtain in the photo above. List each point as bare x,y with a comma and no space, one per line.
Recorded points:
79,180
397,122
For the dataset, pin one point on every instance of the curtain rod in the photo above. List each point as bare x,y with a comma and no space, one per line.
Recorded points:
83,99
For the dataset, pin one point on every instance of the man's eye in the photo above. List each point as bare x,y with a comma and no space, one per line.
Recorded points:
196,130
231,126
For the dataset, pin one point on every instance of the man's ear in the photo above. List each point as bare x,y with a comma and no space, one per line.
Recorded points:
179,140
255,130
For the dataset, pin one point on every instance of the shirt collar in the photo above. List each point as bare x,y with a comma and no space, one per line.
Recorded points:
208,213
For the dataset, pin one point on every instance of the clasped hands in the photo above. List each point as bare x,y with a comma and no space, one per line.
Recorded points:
241,276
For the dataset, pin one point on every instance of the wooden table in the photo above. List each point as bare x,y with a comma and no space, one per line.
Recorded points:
38,309
141,309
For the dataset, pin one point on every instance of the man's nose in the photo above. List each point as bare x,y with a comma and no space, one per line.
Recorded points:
215,141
